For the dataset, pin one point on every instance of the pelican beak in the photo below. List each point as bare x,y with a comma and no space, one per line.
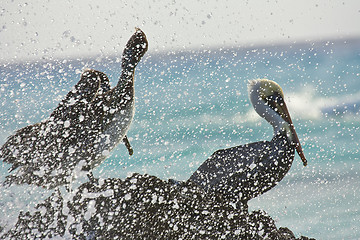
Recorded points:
282,109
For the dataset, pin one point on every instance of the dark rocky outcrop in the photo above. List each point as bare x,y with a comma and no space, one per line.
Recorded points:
143,207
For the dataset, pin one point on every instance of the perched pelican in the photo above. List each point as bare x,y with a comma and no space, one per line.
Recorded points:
244,172
81,131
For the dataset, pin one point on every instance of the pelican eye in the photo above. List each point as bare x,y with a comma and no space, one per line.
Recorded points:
275,98
274,101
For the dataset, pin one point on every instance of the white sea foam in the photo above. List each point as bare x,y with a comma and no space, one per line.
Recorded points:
309,105
305,104
18,198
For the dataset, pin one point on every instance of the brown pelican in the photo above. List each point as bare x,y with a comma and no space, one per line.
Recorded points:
244,172
81,131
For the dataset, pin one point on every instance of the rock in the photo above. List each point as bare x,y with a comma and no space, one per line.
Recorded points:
143,207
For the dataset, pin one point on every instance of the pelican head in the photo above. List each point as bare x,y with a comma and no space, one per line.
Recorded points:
268,101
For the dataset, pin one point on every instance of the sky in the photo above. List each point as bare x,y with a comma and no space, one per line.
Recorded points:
52,28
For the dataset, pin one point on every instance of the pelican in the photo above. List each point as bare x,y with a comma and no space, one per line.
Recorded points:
244,172
82,131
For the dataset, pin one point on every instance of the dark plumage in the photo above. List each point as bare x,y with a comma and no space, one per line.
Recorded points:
244,172
81,131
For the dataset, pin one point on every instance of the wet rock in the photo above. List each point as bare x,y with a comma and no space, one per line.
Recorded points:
143,207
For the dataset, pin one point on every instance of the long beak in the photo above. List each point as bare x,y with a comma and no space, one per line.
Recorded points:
286,116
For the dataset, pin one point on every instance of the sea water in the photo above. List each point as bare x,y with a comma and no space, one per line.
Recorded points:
194,102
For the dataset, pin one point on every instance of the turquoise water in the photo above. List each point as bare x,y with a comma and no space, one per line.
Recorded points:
191,103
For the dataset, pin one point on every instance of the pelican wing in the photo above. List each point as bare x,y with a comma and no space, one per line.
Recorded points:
18,147
40,149
244,172
74,120
224,163
91,83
